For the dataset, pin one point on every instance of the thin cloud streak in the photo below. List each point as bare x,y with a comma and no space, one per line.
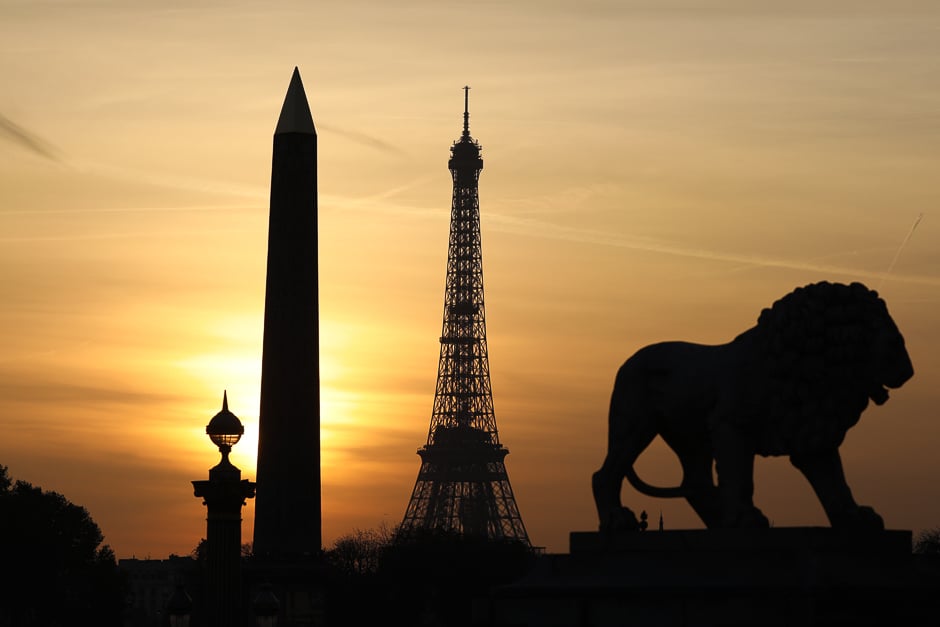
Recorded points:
175,181
24,390
27,140
518,226
367,202
175,233
363,139
188,208
535,228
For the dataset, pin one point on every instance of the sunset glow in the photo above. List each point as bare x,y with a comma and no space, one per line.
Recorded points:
653,170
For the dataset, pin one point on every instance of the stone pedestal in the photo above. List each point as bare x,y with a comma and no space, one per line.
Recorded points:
224,496
784,576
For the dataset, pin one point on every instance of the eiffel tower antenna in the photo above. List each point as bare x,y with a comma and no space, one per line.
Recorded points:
462,485
466,111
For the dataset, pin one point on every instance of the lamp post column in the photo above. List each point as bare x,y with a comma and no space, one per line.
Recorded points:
224,495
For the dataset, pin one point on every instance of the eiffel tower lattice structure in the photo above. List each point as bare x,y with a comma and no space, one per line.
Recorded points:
462,485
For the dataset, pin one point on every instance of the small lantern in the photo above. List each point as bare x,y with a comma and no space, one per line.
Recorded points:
179,607
266,607
225,429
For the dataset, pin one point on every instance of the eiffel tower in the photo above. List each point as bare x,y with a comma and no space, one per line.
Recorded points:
462,485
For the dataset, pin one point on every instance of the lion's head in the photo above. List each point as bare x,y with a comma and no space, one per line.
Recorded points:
828,349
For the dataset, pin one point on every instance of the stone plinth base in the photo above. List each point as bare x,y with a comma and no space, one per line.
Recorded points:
784,576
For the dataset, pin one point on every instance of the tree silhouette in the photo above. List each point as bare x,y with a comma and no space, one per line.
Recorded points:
442,572
57,570
384,576
199,551
927,542
360,552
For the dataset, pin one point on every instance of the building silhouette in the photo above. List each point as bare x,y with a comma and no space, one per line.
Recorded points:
287,509
462,485
149,584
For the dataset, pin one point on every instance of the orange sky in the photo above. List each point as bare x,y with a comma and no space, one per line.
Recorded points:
653,170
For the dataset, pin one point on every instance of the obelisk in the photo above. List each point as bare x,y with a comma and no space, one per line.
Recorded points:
287,506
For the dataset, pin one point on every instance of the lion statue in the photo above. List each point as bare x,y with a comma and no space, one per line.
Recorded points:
791,385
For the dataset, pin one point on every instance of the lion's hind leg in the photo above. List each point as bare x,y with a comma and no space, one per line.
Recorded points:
608,481
699,487
734,461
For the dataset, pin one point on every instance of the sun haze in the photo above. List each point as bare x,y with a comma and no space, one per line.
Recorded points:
652,171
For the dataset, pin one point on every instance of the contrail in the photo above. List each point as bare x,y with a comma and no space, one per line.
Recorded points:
362,138
26,139
897,254
535,228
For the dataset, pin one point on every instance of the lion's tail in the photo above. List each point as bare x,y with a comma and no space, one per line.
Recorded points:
641,486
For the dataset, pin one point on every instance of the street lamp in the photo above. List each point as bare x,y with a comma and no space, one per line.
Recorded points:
266,607
224,495
179,607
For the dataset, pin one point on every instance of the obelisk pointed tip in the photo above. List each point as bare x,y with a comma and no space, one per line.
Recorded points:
295,113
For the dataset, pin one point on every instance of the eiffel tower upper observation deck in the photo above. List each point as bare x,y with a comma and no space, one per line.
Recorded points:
462,484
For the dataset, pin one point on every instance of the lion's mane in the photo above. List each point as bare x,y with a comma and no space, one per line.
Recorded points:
814,344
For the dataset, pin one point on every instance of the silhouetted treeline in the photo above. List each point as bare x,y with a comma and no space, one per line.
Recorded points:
199,551
429,578
56,570
927,542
